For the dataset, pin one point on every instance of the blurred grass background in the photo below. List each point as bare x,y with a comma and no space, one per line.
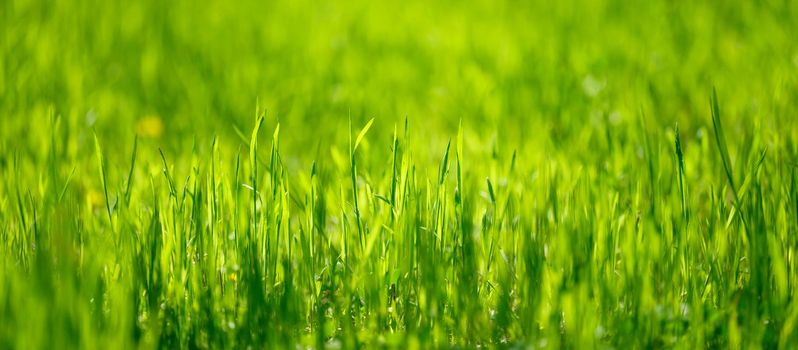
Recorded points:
529,71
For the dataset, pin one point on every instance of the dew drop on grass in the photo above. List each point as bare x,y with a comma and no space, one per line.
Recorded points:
592,86
600,331
91,118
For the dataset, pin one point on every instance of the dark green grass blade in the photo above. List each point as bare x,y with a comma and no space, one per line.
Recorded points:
682,186
720,140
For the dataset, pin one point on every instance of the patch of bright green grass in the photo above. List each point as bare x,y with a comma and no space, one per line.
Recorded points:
577,174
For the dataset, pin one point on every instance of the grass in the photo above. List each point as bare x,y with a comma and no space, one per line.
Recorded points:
580,174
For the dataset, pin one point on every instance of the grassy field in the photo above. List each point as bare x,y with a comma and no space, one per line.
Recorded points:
407,174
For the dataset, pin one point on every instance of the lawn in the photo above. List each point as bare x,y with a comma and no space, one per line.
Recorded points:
402,174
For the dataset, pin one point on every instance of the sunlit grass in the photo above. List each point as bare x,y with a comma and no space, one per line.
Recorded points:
588,174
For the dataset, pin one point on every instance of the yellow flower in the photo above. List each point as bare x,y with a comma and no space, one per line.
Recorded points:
150,126
233,277
95,199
